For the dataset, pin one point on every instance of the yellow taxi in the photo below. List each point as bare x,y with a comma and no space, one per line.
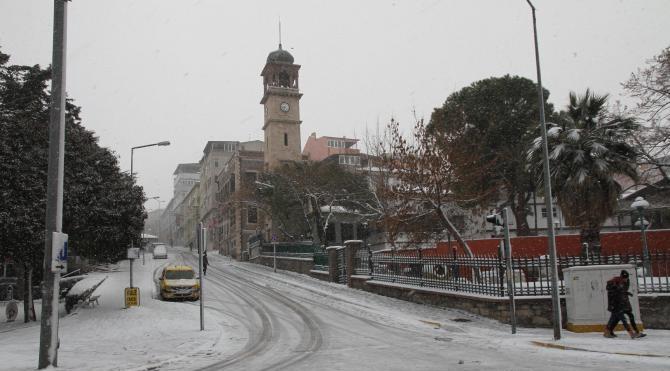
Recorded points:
179,282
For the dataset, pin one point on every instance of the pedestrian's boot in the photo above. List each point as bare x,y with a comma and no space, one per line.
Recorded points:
640,334
608,333
633,334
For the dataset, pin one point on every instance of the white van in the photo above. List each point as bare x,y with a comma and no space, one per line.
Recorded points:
160,251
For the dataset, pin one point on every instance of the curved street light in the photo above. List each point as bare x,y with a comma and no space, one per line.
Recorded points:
132,176
640,204
555,303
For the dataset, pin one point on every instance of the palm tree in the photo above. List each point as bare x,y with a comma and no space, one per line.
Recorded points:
588,150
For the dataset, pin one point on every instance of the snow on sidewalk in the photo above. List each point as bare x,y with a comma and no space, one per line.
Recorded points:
109,337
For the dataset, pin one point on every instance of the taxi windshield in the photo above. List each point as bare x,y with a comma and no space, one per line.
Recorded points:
179,275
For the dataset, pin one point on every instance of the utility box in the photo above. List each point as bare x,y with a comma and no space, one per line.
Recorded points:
586,296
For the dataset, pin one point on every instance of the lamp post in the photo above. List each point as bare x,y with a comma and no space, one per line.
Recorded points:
132,176
48,349
640,204
556,304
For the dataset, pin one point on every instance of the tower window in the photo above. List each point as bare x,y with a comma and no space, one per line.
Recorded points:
286,139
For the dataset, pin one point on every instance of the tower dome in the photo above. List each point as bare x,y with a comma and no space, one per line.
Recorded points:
280,56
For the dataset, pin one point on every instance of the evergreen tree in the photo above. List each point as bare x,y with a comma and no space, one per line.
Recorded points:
102,208
495,119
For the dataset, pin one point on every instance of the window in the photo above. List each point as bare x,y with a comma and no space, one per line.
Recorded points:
335,143
347,231
349,160
216,163
330,233
544,212
286,139
252,215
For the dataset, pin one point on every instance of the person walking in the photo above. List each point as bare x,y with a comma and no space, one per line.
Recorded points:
618,304
205,263
627,308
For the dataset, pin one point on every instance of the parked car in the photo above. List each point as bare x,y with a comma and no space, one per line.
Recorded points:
160,252
179,282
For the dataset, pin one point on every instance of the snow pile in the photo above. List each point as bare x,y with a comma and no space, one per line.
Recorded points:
84,285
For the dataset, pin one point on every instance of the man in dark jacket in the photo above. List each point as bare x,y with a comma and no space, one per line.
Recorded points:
205,263
619,304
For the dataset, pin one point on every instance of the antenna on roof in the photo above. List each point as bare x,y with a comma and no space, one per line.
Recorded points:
279,32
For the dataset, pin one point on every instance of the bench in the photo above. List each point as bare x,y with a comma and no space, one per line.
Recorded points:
83,294
92,300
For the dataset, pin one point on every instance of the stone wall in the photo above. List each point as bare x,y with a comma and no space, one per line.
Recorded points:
320,275
655,310
299,265
530,312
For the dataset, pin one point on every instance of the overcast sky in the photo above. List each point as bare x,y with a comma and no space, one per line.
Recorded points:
188,71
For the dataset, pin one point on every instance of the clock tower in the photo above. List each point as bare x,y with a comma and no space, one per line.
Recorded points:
281,100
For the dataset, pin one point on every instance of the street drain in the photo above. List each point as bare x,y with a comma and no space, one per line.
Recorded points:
461,320
443,339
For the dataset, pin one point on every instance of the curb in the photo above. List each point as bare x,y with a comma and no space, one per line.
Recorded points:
566,347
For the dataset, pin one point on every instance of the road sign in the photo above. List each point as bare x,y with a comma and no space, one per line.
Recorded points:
134,253
59,252
132,295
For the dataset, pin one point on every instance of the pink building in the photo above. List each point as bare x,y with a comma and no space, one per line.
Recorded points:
318,149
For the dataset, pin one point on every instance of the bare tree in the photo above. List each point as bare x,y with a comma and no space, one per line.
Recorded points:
651,86
427,185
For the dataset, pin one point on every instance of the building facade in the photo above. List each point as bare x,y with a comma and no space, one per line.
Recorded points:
318,149
215,155
240,216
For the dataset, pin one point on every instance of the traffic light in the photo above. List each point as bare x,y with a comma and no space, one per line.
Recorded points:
494,219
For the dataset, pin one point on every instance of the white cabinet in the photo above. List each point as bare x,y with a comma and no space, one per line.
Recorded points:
586,295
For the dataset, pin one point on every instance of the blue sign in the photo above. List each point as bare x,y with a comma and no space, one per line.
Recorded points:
62,254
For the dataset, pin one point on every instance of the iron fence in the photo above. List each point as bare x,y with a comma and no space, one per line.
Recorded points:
342,266
289,250
485,274
320,259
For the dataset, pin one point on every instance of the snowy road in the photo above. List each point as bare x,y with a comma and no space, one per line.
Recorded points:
256,319
296,323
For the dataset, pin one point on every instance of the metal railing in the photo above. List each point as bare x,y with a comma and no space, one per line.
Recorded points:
342,266
293,250
485,274
320,259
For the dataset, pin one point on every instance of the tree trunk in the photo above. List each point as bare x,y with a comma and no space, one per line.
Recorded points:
590,239
27,294
520,215
454,232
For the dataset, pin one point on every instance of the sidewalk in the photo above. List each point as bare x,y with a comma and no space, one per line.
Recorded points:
655,344
157,334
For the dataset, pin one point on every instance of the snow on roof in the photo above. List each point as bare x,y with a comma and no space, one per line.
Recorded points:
334,209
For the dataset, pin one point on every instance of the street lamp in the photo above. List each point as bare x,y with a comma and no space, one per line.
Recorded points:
132,177
556,305
640,204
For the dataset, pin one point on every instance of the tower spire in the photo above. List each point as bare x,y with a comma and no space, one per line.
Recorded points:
280,32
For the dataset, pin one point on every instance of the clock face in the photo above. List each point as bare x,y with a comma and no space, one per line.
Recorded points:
284,107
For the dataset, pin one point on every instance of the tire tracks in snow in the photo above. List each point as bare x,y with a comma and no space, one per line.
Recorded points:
265,337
